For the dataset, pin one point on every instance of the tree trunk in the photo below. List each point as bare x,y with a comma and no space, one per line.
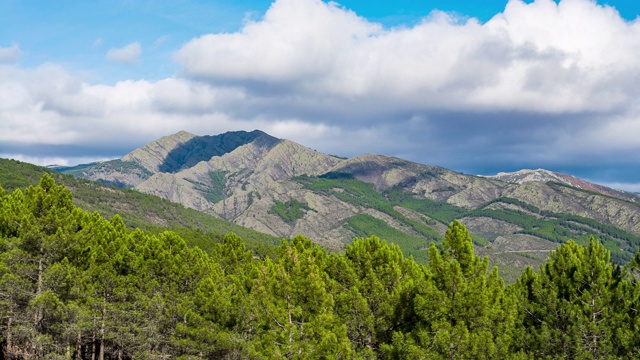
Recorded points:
9,345
101,352
290,320
79,346
93,344
38,313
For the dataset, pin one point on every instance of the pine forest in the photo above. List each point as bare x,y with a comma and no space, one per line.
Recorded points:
75,285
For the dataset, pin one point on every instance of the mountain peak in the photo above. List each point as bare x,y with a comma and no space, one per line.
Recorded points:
529,175
181,134
543,175
183,150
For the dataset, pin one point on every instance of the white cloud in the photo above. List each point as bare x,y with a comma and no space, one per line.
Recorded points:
566,57
126,55
633,187
54,160
10,54
540,84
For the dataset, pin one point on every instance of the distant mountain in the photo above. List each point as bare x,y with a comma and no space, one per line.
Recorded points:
526,175
282,188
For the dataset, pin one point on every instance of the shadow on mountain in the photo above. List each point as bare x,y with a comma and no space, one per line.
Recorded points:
203,148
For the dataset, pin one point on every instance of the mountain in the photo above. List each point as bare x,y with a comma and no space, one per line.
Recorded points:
282,188
137,209
526,175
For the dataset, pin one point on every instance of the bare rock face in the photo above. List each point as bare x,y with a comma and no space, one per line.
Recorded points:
382,171
322,222
242,176
115,172
175,189
154,154
561,199
542,175
489,228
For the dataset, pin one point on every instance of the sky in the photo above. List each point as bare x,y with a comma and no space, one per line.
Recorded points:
478,87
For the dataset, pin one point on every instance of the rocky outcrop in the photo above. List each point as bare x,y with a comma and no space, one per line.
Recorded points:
240,176
154,154
542,175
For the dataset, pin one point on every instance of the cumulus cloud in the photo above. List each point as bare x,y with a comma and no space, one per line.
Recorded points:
566,57
10,54
125,55
542,84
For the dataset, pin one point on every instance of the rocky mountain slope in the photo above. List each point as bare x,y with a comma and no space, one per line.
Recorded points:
137,209
282,188
542,175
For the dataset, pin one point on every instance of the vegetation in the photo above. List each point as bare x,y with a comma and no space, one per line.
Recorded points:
364,226
346,188
213,190
115,165
556,227
290,211
138,210
74,284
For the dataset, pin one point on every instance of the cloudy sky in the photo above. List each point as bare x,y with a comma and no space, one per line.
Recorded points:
474,86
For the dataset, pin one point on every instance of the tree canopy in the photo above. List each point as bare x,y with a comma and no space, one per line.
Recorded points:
74,285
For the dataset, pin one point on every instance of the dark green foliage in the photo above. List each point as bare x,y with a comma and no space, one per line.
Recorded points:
462,311
446,189
364,226
290,211
136,209
76,285
578,306
547,225
441,211
337,176
361,193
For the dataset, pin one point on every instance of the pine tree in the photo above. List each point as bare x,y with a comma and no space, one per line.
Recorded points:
575,307
380,287
462,309
37,228
296,309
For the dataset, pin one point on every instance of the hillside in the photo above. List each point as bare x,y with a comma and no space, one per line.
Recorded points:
74,285
137,209
542,175
282,188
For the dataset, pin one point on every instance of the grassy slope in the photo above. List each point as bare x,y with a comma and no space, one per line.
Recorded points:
155,214
555,227
137,209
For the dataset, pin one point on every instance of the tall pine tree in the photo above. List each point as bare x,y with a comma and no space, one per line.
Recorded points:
463,311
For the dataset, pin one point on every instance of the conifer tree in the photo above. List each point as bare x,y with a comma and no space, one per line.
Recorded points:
463,312
379,300
296,310
37,230
575,307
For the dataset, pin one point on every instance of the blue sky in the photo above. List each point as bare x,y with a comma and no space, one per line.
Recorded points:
475,86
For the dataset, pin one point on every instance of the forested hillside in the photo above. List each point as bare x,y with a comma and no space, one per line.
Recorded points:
76,285
138,210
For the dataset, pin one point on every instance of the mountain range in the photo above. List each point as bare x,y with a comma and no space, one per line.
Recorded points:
282,188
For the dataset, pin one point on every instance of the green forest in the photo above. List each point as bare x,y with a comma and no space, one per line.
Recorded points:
74,285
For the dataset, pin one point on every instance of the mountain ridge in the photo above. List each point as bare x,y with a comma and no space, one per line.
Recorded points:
543,175
283,188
